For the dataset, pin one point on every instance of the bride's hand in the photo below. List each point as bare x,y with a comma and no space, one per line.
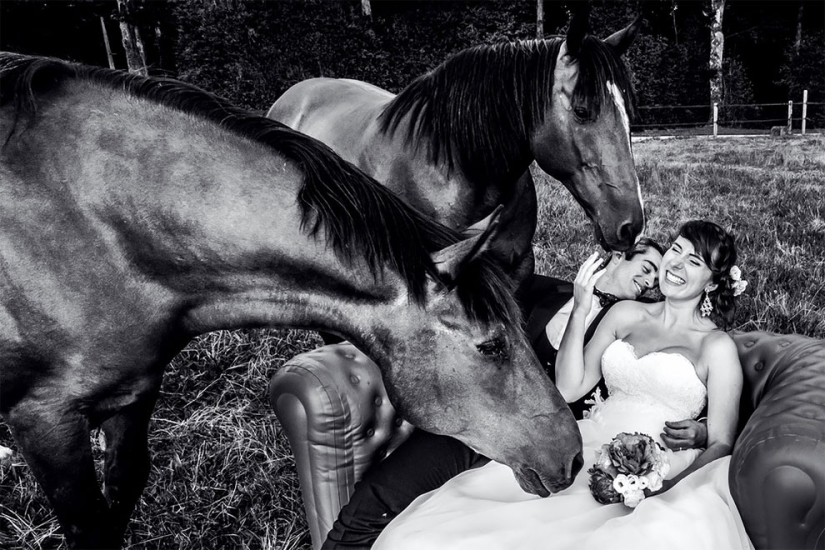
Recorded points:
590,272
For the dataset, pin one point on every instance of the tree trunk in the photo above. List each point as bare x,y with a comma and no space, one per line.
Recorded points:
673,7
717,47
106,43
539,19
797,43
132,43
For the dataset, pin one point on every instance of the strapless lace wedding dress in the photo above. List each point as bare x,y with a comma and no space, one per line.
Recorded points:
485,509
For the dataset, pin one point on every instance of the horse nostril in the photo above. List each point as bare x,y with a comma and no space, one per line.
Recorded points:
575,468
627,233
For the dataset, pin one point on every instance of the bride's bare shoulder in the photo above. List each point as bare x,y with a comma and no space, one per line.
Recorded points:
629,313
720,347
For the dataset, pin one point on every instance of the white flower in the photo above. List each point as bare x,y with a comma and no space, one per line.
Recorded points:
739,284
632,488
633,498
662,468
654,481
739,287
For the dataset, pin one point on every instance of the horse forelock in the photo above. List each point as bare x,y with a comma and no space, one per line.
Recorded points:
356,214
599,68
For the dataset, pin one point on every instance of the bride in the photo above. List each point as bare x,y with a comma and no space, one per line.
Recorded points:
660,361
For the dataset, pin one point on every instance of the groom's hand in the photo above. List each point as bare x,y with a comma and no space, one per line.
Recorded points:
685,434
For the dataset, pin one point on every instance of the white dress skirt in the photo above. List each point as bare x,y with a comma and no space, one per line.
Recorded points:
485,509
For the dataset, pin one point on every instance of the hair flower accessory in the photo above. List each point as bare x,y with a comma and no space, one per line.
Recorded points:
739,284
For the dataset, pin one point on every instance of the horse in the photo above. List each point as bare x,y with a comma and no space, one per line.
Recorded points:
139,212
459,140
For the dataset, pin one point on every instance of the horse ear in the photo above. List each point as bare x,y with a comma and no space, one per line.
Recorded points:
451,260
578,28
621,40
482,225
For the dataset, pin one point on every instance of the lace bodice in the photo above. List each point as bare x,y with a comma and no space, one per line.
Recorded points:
647,391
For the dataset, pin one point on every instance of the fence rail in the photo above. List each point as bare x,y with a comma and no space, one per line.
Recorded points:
734,117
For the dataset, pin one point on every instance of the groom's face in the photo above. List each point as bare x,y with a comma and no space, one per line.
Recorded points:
636,275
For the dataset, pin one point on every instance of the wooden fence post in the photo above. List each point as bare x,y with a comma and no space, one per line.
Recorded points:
715,118
790,117
804,109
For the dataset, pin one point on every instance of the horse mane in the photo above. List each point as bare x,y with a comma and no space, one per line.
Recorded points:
356,213
476,109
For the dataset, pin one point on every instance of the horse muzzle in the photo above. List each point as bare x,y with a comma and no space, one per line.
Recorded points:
536,484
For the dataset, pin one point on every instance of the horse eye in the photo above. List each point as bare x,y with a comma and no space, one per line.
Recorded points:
496,347
581,113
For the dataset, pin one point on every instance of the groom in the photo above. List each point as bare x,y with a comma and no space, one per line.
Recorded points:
426,461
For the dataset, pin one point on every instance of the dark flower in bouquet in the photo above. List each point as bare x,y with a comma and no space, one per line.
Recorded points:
633,453
627,466
601,487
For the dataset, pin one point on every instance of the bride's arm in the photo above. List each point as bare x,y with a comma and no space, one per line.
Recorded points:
724,390
579,369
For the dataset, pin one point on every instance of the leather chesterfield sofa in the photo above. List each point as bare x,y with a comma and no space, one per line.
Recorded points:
334,409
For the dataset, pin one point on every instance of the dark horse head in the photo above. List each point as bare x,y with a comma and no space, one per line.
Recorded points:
566,103
587,125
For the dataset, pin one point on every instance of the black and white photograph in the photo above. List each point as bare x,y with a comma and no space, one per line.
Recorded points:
412,274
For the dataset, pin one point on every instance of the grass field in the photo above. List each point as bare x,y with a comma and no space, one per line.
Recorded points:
222,474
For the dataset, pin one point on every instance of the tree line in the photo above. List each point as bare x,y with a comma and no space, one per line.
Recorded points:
690,52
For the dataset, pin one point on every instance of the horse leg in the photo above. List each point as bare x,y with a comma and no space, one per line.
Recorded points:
55,444
127,460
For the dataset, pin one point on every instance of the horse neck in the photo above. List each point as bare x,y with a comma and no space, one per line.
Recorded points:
204,221
477,110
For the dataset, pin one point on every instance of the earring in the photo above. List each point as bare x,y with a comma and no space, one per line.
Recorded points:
707,307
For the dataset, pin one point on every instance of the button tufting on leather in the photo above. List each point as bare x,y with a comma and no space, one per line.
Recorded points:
784,343
378,401
371,432
398,421
354,379
750,343
759,366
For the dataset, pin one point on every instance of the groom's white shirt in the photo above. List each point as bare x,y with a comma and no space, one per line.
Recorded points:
557,325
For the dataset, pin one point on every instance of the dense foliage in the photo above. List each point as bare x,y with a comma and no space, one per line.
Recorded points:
251,51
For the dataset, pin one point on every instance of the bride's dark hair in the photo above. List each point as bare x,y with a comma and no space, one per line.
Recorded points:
717,248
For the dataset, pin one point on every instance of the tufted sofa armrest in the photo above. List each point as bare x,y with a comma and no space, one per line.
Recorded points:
777,473
333,407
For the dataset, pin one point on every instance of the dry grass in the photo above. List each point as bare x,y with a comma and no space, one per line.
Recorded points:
222,473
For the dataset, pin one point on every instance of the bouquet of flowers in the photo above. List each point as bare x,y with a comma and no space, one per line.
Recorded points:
627,466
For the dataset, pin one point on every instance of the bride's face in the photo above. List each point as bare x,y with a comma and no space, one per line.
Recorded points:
684,274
